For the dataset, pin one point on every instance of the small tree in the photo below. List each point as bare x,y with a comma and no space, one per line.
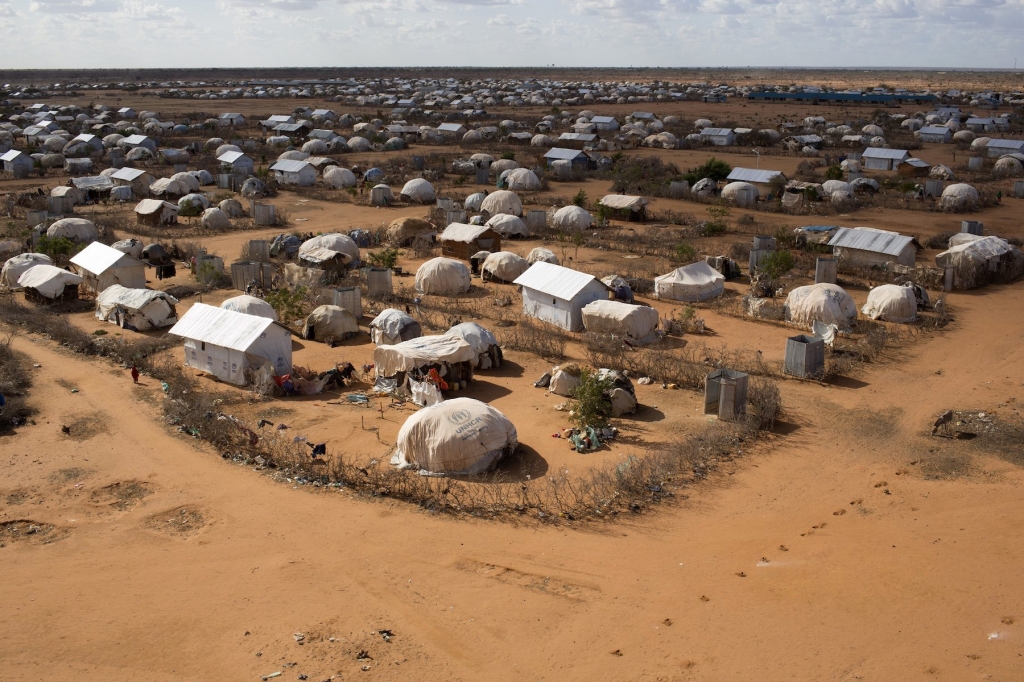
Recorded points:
580,199
712,168
833,172
287,303
685,253
60,249
588,404
578,240
387,258
776,264
510,155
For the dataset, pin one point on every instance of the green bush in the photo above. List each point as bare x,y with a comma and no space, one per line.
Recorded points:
287,303
387,258
685,253
588,404
58,248
834,172
510,155
580,199
712,168
777,263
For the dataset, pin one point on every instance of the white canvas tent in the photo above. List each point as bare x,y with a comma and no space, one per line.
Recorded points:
138,309
443,277
502,201
250,305
693,282
557,295
102,266
461,436
393,326
420,352
16,265
892,303
47,280
225,343
824,303
484,343
637,322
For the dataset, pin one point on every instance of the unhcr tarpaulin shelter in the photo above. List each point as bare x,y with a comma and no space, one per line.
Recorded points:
556,294
393,326
136,309
49,282
693,282
225,343
102,266
892,303
250,305
484,343
15,266
461,436
637,322
824,303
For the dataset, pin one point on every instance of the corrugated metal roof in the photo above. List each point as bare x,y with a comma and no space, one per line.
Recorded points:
562,153
716,132
879,153
554,280
135,139
935,130
98,257
753,175
579,137
289,166
230,157
451,127
225,328
917,163
10,155
128,174
870,239
1006,144
461,232
603,119
93,182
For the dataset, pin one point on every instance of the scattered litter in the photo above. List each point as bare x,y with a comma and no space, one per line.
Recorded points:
645,381
544,381
360,398
386,634
74,390
299,636
264,422
282,427
363,655
272,675
165,386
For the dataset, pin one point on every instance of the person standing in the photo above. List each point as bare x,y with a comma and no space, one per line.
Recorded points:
135,374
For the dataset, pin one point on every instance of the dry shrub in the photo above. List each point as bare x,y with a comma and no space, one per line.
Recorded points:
15,381
529,337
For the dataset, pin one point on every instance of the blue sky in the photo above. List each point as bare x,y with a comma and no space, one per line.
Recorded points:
233,33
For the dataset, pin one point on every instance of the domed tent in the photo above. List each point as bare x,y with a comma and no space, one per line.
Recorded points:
483,342
250,305
503,266
253,187
403,231
461,436
1007,165
133,247
693,282
187,179
502,165
443,277
78,230
824,303
571,218
502,201
339,178
522,180
474,201
195,201
542,255
418,190
637,322
508,225
215,219
333,251
330,323
14,267
740,193
958,196
941,172
232,208
892,303
393,326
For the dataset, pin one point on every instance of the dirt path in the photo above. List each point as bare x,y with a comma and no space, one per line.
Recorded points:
828,556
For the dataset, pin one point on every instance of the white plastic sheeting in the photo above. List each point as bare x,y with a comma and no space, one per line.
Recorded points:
826,303
502,201
250,305
508,225
443,277
393,326
140,309
694,282
48,280
572,218
505,266
76,229
892,303
622,319
339,178
326,246
419,190
481,339
461,436
542,255
424,350
14,267
329,321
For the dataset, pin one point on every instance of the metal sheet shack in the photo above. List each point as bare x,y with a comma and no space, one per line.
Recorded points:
866,246
557,295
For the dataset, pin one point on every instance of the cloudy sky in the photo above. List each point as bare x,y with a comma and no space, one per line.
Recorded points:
232,33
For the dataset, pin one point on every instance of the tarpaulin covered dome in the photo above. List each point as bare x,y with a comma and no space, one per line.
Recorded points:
215,219
336,243
393,326
138,309
892,303
401,231
250,305
232,208
133,247
461,436
330,322
14,267
693,282
502,201
483,342
572,218
418,190
504,266
824,303
473,201
77,230
48,280
960,195
741,193
523,180
339,178
622,319
542,255
443,277
508,225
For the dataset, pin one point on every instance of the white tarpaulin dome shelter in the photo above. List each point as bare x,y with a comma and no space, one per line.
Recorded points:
133,247
330,322
502,201
138,309
484,343
215,219
77,230
418,190
824,303
892,303
625,202
508,225
522,180
740,193
443,277
250,305
474,201
461,436
572,218
393,326
339,178
14,267
693,282
225,343
504,266
542,255
960,195
622,319
328,247
101,266
47,280
422,351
